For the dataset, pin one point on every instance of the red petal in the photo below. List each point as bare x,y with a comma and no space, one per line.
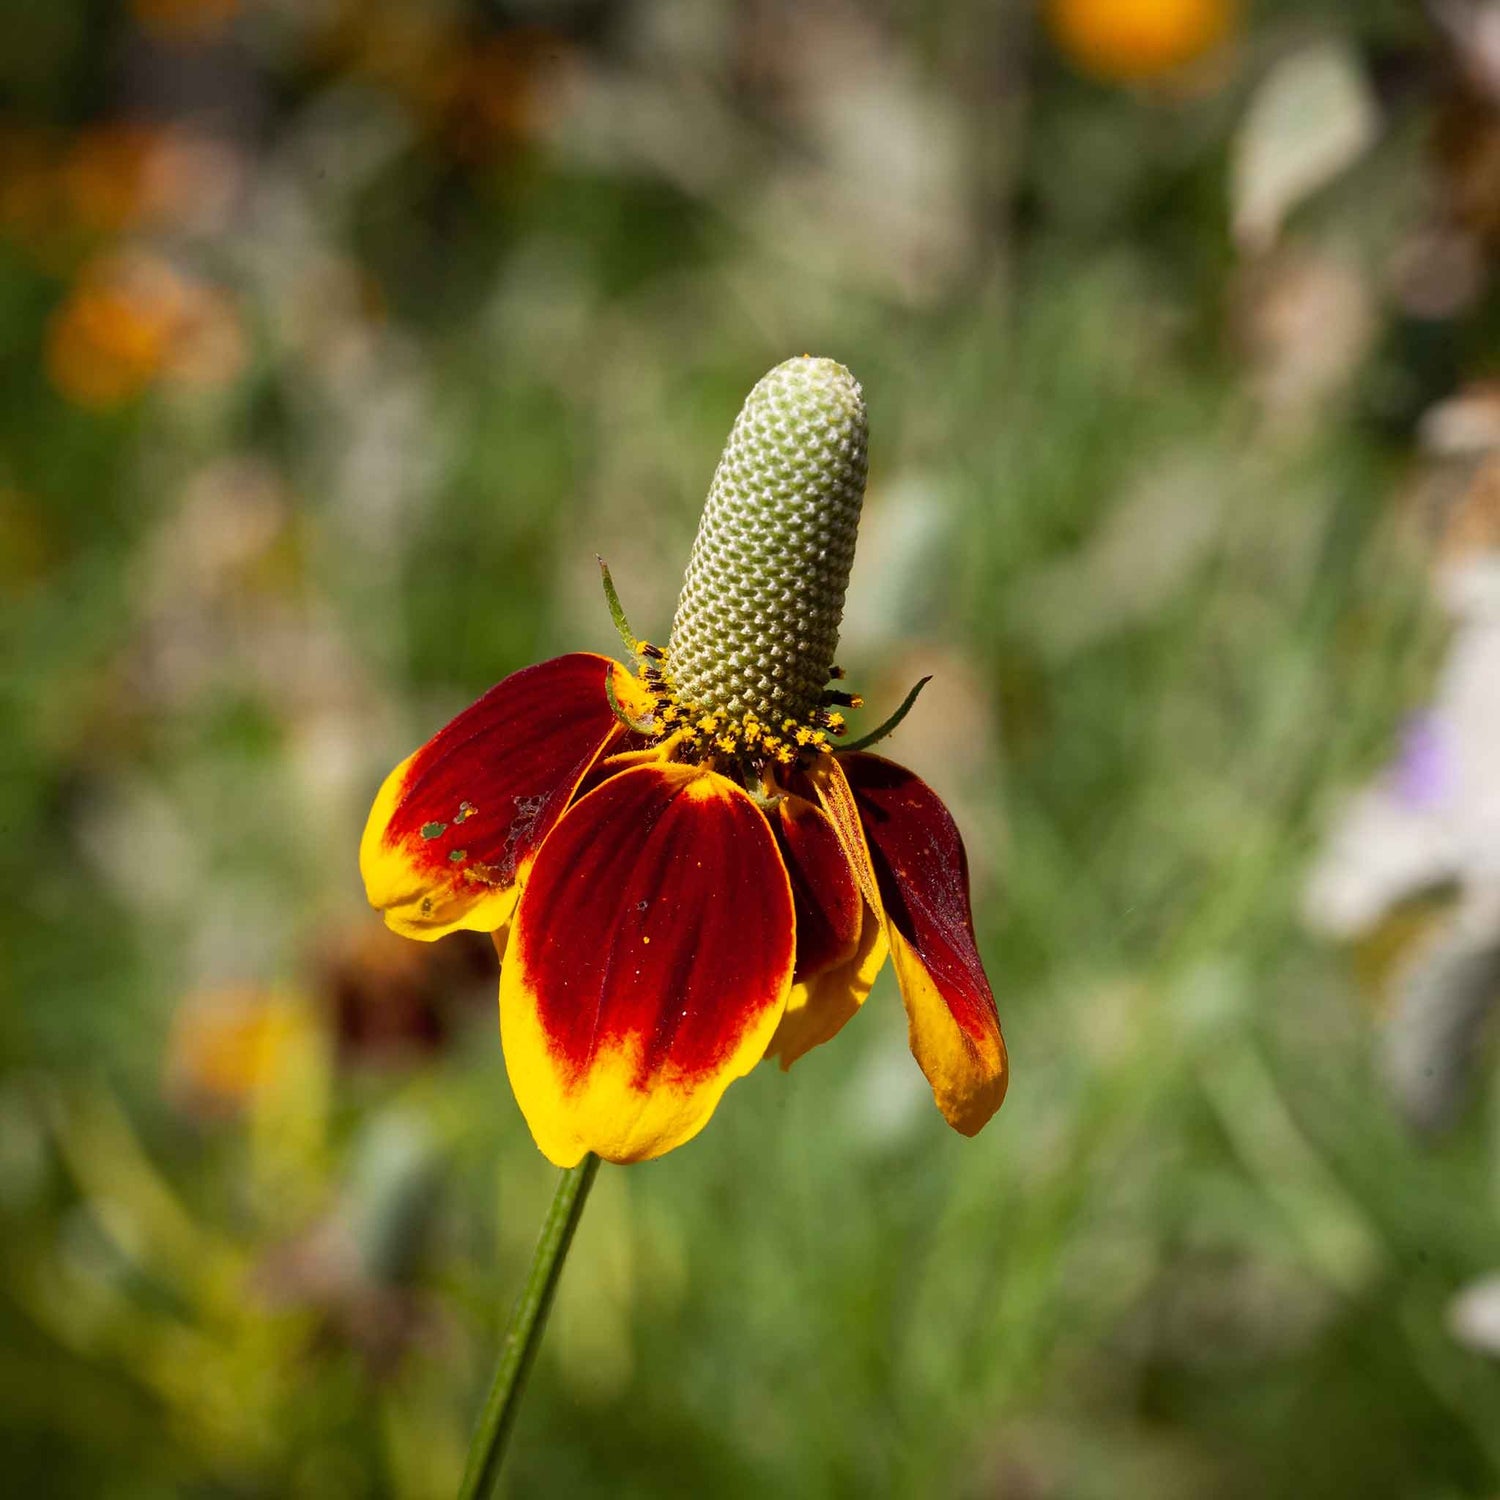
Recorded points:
824,891
456,825
923,874
818,1008
649,963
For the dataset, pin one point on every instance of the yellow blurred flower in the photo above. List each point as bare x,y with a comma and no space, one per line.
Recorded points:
134,318
1132,40
227,1044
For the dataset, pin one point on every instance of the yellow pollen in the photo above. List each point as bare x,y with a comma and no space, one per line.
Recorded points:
687,731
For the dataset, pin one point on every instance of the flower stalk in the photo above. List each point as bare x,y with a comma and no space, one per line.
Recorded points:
523,1337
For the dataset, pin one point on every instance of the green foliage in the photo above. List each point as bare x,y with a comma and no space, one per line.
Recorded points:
496,294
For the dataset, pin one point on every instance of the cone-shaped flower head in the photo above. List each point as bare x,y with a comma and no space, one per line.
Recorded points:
758,621
685,867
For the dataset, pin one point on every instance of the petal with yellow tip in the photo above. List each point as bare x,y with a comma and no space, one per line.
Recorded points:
649,963
456,825
818,1008
923,874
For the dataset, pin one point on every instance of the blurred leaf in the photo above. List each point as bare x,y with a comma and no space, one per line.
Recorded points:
1311,118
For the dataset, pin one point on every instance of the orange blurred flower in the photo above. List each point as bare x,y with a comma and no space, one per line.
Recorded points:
104,174
32,210
1132,40
59,196
494,92
134,318
475,91
185,20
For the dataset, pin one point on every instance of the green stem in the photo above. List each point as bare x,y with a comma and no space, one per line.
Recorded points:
524,1335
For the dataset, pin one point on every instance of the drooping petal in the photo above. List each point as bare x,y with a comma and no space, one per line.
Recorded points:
835,796
825,893
455,826
839,944
923,875
649,963
817,1008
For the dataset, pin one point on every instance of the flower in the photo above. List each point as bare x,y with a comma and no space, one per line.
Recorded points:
682,874
186,20
227,1044
1131,40
133,318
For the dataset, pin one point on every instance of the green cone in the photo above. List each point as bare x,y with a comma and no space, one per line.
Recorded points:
758,621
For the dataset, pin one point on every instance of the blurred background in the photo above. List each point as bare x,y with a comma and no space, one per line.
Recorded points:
336,338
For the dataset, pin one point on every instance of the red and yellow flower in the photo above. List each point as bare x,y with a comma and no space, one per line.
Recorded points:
681,872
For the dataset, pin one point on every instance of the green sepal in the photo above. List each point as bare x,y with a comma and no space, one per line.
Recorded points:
616,609
876,735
